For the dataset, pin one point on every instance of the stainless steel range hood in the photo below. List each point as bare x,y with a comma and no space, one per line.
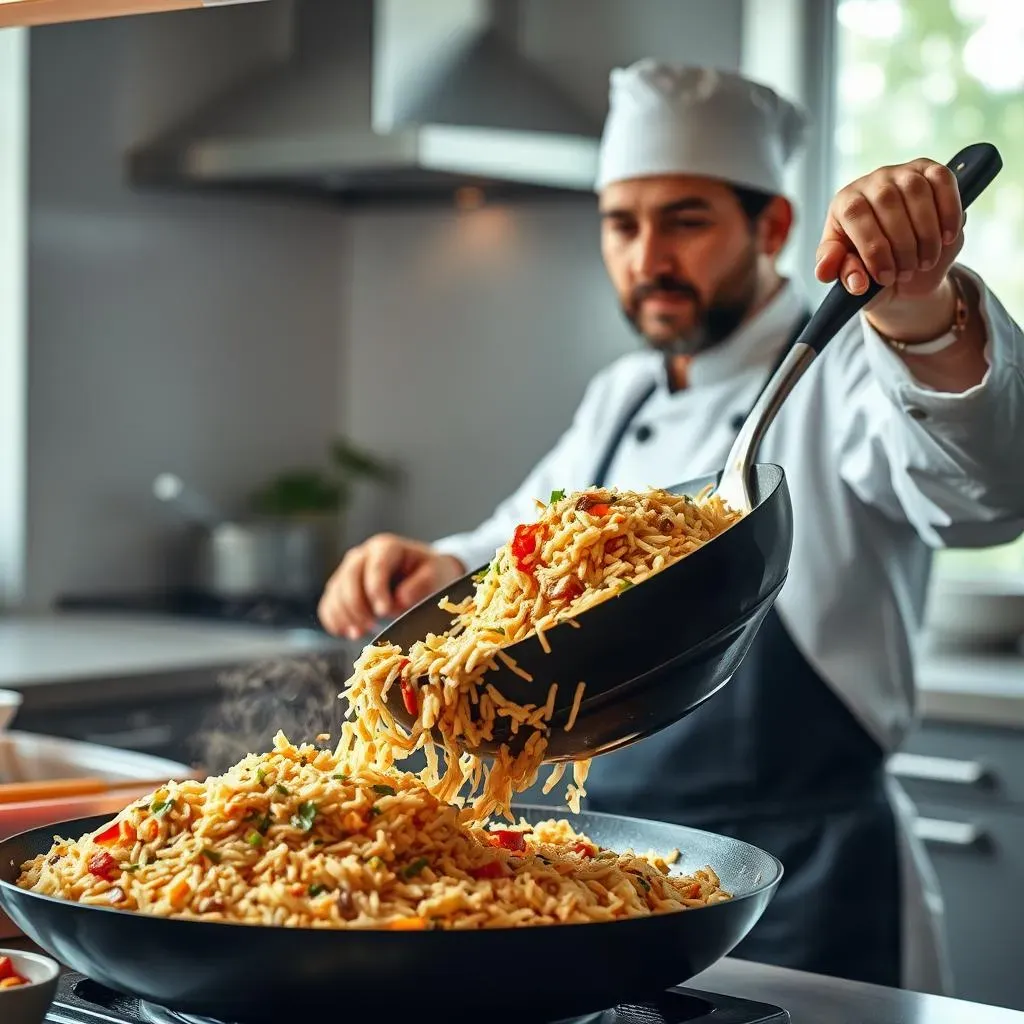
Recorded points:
385,99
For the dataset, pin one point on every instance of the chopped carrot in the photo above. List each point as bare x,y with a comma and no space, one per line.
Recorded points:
408,924
179,893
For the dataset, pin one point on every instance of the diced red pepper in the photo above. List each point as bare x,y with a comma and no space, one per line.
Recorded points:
694,891
524,544
492,869
102,865
109,835
6,968
584,849
115,832
599,510
572,588
508,840
409,697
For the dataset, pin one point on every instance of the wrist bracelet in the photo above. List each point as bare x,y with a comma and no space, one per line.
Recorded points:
943,341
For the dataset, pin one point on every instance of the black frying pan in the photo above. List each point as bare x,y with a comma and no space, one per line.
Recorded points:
255,974
656,652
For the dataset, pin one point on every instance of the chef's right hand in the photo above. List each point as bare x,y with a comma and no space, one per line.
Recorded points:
382,577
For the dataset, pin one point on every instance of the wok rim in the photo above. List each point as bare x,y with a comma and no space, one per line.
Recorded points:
765,889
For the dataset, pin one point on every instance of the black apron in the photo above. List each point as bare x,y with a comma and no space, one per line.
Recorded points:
777,760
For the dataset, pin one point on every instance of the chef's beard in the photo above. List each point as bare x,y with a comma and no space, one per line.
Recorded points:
712,323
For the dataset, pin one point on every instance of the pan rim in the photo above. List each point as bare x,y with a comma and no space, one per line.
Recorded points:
764,888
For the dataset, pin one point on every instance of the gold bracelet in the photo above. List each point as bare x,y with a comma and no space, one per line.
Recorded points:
943,341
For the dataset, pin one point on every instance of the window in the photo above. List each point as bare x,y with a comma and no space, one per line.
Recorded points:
925,78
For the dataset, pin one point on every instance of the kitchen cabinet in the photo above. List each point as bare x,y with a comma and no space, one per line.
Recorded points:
968,784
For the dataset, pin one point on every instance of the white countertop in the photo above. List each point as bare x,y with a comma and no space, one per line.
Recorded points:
40,649
972,687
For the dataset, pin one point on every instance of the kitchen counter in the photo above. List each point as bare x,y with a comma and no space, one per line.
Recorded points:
46,649
981,688
814,999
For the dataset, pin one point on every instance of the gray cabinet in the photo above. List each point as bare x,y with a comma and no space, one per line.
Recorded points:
968,785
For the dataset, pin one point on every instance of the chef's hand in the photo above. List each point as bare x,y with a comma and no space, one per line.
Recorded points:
363,588
901,226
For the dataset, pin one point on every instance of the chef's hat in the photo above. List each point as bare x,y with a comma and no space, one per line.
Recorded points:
671,119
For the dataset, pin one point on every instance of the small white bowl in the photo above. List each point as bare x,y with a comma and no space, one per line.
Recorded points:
27,1004
10,701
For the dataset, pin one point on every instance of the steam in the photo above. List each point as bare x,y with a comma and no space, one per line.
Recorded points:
298,695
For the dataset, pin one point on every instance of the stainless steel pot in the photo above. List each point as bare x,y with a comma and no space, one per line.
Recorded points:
278,558
259,557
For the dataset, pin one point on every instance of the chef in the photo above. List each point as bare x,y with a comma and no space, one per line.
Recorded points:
905,436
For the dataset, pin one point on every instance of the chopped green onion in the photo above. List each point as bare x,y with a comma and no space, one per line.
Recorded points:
341,777
261,775
161,807
303,820
316,888
413,869
375,811
625,585
643,881
254,838
556,496
283,790
212,855
385,790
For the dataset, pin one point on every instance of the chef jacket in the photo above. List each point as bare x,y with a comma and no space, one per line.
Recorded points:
881,469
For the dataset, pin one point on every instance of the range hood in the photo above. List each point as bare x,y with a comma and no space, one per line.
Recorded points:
383,100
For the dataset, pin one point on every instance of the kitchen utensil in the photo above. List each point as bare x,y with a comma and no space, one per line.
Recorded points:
656,652
252,557
10,701
253,973
59,789
28,1003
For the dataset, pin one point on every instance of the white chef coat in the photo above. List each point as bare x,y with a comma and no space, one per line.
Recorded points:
880,468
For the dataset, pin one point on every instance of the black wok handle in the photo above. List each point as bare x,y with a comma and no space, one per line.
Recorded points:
975,167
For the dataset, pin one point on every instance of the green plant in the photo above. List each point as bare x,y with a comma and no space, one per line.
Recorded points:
314,491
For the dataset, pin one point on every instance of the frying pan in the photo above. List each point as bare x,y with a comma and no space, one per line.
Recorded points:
656,652
251,974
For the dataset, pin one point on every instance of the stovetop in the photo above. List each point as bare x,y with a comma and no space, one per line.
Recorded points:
81,1001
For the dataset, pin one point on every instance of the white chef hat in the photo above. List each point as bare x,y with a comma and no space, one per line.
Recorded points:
673,119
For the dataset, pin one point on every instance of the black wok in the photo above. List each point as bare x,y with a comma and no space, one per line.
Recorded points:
656,652
689,625
254,974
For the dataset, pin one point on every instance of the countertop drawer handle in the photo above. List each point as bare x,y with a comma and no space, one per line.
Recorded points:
960,834
922,768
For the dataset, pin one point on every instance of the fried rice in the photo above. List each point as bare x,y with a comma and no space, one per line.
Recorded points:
298,837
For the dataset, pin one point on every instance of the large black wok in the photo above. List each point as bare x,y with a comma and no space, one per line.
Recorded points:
256,974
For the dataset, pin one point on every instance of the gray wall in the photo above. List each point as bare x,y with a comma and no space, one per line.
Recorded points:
196,335
471,337
225,338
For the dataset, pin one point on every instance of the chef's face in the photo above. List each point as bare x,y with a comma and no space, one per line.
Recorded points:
685,258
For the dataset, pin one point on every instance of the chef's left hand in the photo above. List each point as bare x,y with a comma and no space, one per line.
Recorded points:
901,225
